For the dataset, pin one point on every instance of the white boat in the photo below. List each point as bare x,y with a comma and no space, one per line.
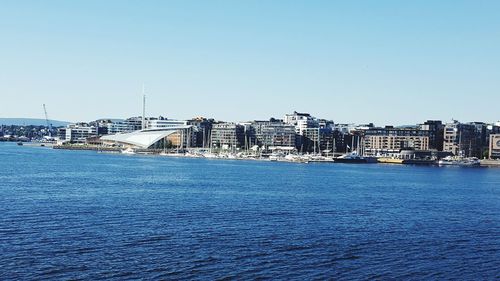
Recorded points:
210,155
296,158
352,157
459,161
128,151
276,156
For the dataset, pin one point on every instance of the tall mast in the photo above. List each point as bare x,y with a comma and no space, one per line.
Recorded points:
143,108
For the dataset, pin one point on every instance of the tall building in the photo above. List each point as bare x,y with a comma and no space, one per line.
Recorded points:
461,139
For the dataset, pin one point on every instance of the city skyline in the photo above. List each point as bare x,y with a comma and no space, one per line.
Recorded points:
387,63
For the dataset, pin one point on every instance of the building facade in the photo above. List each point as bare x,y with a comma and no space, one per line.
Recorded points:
301,121
494,147
436,133
390,140
227,136
273,133
162,123
124,126
77,133
461,139
202,130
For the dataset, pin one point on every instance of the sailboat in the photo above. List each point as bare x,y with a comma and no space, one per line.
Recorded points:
460,159
352,157
164,152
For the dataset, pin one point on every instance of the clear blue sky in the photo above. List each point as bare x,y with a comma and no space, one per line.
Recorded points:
390,62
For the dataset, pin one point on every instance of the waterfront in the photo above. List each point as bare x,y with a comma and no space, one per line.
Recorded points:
81,214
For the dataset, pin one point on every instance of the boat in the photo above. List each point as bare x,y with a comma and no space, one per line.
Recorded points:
276,156
387,160
210,155
459,161
352,157
128,151
296,158
20,143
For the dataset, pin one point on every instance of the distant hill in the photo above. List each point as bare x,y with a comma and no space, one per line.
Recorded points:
31,121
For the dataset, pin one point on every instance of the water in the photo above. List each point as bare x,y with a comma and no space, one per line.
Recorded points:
84,215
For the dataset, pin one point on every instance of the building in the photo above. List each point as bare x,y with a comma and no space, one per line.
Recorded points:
179,139
227,136
202,130
461,139
183,137
160,123
494,147
492,129
326,124
390,140
273,133
124,126
482,139
153,138
411,154
77,133
301,121
326,140
309,141
436,133
345,128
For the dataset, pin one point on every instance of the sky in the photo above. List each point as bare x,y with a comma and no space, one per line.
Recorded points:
387,62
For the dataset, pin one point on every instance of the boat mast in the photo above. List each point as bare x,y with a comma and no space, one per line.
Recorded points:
143,108
203,136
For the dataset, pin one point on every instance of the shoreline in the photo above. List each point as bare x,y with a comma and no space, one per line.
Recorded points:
484,163
158,152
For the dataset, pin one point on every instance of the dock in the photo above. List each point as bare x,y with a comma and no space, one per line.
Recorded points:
490,163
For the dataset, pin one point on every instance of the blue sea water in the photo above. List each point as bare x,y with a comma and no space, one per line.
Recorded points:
93,216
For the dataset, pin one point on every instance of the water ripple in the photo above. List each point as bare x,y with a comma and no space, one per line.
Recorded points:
118,218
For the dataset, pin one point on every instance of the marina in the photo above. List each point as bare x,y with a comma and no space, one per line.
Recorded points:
349,158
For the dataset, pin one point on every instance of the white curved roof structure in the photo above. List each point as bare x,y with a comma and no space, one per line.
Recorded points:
143,138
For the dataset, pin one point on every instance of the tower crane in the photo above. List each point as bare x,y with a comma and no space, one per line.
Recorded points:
49,125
